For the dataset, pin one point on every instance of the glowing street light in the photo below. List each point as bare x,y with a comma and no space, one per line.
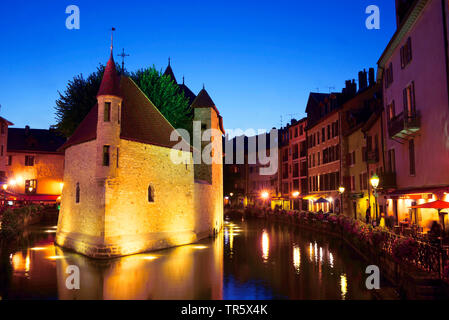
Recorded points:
375,183
5,186
12,182
341,190
264,195
295,194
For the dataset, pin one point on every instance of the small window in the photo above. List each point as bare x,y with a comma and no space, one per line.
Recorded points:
106,156
3,128
77,193
107,111
117,156
150,194
389,75
9,163
29,161
1,152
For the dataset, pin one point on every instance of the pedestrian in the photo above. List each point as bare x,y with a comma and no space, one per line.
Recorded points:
368,215
382,220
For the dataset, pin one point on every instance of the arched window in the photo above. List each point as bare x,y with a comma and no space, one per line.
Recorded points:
150,194
77,193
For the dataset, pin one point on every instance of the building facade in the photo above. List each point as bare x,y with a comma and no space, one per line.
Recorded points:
33,165
324,151
417,109
293,165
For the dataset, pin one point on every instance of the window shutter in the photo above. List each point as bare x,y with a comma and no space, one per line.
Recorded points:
409,49
404,93
402,58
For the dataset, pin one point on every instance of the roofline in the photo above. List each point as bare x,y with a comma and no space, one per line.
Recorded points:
35,151
65,147
9,123
406,25
309,127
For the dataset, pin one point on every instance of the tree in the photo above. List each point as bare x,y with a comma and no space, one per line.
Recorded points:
166,96
80,96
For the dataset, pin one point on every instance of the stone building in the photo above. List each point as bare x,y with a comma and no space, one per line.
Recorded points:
123,193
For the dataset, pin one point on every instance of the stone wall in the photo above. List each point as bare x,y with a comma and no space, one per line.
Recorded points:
81,224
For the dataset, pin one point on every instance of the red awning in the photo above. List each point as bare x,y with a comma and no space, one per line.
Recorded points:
433,205
39,197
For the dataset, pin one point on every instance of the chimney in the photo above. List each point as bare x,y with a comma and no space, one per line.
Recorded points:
362,80
402,8
27,130
371,77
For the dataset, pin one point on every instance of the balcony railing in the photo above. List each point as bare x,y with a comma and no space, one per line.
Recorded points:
372,156
387,180
404,125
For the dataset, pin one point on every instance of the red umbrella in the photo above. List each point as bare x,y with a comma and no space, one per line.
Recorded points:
439,205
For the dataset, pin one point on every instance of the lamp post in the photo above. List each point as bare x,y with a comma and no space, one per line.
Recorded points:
375,183
341,190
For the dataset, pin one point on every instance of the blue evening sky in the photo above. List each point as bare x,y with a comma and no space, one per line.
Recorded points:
258,59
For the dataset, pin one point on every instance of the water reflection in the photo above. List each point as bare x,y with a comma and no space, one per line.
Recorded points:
344,286
228,267
265,246
297,258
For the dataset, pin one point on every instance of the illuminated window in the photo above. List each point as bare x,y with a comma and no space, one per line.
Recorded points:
107,111
31,186
150,194
77,193
106,156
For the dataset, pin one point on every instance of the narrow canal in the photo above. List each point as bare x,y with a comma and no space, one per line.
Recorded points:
249,260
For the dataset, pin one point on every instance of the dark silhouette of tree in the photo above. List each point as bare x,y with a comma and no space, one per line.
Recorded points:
80,96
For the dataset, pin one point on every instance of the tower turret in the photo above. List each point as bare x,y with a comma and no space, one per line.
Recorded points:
108,124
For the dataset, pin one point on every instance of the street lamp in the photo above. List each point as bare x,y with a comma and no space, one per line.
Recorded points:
295,194
264,195
341,190
375,183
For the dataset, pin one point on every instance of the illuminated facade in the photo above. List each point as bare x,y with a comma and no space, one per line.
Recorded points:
324,150
416,101
361,146
33,165
293,164
123,194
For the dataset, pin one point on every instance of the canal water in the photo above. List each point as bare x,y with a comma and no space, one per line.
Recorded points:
250,260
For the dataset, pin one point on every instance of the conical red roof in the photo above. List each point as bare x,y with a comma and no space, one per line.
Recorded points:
110,84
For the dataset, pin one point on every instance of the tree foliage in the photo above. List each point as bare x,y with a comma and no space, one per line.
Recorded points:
77,100
80,96
166,96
